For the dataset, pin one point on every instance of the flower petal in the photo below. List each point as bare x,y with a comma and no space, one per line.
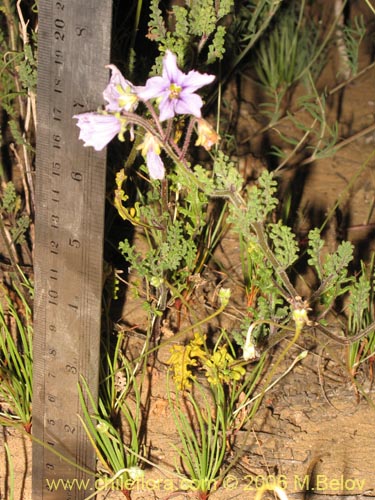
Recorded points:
119,93
207,136
155,165
171,72
194,80
149,143
97,130
167,108
189,104
116,79
155,86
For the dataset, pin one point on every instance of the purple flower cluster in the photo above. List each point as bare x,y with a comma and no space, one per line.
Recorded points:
174,92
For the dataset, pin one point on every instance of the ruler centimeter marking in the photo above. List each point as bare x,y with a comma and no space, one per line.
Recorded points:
73,49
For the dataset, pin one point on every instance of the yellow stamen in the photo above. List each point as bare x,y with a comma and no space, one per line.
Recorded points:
174,91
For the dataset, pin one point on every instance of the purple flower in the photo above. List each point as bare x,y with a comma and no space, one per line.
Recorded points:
97,130
176,89
120,93
155,165
151,151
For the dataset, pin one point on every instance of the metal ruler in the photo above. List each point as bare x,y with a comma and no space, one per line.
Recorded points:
73,49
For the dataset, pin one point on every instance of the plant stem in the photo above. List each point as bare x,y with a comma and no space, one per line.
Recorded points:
187,137
182,333
267,381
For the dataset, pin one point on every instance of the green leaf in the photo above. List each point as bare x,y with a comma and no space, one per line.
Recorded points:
285,246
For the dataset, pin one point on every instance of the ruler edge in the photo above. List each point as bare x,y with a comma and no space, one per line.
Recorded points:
40,320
